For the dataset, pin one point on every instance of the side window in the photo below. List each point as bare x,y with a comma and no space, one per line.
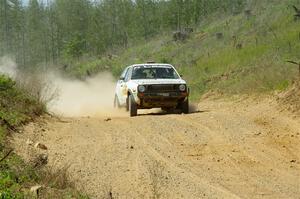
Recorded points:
124,73
128,74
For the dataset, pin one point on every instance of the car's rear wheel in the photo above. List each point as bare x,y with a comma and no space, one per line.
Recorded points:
185,106
132,106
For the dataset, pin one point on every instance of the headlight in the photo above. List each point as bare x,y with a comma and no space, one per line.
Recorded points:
142,88
182,87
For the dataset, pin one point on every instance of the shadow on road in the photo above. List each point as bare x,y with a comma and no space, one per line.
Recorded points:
161,112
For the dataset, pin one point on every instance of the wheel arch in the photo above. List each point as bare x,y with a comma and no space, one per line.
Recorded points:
129,92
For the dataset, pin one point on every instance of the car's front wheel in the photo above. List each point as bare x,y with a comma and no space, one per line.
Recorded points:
185,106
132,106
168,109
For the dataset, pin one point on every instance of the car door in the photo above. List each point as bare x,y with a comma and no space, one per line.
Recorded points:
121,89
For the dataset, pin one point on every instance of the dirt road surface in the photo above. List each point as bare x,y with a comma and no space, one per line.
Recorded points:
241,149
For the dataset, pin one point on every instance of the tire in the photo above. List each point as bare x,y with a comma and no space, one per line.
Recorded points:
116,102
167,109
185,106
127,104
132,106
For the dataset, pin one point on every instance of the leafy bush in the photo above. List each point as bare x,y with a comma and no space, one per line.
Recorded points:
16,106
74,48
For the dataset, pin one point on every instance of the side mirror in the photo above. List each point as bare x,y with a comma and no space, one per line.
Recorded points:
180,75
122,78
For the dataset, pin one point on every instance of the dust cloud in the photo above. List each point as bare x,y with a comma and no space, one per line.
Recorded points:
8,66
92,97
68,97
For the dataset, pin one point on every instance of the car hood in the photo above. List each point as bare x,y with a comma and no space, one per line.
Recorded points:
158,81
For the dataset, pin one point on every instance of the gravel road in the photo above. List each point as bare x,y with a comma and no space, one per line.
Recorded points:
232,148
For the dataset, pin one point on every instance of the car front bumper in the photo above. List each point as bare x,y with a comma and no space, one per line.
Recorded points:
158,100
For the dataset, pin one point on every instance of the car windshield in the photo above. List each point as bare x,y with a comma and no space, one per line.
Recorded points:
154,72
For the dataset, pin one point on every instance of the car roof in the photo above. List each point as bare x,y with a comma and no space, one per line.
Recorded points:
152,64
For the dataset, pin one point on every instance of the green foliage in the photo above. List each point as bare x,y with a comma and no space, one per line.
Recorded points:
284,84
6,83
74,48
16,107
12,178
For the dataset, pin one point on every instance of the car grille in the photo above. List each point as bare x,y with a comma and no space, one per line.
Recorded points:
162,88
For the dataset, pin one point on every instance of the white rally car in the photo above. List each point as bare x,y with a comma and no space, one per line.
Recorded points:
151,85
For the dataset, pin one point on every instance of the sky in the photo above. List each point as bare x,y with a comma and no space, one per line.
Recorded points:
25,2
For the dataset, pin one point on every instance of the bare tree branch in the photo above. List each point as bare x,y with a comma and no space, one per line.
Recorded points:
296,9
9,152
293,62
